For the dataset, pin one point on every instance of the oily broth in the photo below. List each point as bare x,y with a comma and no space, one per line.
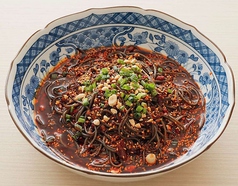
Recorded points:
125,148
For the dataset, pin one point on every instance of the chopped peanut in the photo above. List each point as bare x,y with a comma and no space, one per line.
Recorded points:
114,111
96,122
112,100
150,158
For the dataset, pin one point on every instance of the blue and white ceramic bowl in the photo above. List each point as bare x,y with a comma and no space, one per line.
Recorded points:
122,26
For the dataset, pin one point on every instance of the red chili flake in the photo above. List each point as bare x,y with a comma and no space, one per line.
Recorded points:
96,108
105,54
121,149
144,77
75,111
42,107
160,78
165,110
130,168
88,112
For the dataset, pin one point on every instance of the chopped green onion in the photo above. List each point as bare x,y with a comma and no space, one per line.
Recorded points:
136,69
125,72
122,107
114,91
64,73
126,97
104,71
94,85
144,110
154,92
99,77
139,108
128,103
54,76
143,83
87,82
126,87
140,95
81,119
101,104
132,97
137,115
135,85
71,109
113,85
121,61
160,70
108,93
115,68
78,127
134,78
106,76
67,116
122,81
170,91
150,86
122,94
90,87
143,104
77,135
85,102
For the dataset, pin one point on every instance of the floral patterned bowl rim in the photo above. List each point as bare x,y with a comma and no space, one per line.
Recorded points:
122,26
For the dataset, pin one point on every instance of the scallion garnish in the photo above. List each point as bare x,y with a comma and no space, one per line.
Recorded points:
128,103
64,73
122,81
134,78
99,77
135,85
160,70
113,85
104,71
154,92
170,91
139,108
137,115
126,87
122,94
143,104
150,86
107,93
140,95
105,76
115,68
71,109
136,69
125,72
54,76
67,116
87,82
81,119
78,127
121,61
85,102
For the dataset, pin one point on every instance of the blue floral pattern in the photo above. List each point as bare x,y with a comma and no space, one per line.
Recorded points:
156,42
147,31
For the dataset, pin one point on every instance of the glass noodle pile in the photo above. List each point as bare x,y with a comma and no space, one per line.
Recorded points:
119,109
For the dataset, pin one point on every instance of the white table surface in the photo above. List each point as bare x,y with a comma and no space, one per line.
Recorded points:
21,164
